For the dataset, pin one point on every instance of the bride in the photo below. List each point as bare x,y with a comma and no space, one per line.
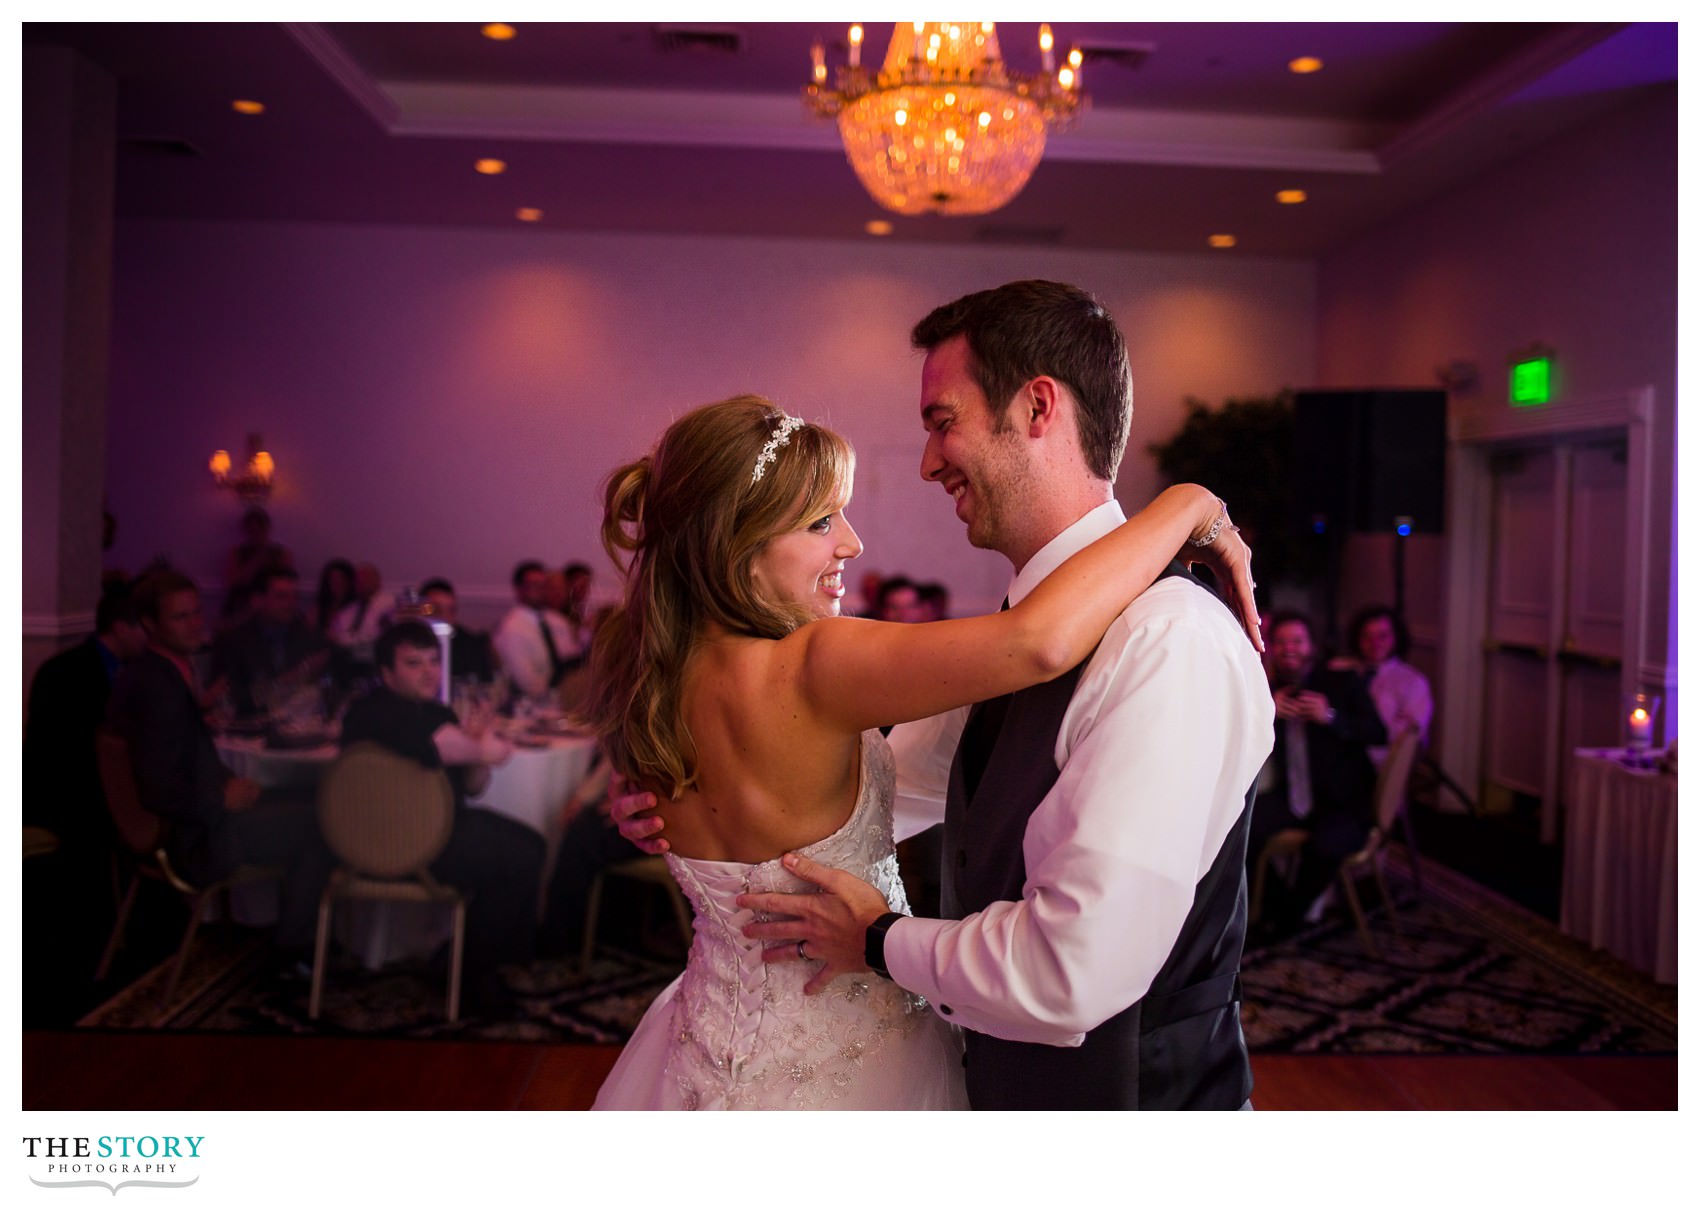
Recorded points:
727,682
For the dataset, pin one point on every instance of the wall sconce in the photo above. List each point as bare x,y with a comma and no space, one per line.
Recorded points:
253,481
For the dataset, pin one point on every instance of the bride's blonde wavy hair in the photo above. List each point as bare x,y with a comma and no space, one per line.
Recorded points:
686,523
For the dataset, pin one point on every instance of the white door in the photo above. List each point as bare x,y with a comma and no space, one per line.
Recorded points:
1552,665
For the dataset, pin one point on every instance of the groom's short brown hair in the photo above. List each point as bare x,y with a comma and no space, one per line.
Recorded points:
1024,329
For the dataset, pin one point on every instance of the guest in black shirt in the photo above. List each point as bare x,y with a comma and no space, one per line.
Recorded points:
469,650
275,647
67,702
1324,782
493,859
219,820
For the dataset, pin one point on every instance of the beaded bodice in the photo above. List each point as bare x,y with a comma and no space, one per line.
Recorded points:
744,1033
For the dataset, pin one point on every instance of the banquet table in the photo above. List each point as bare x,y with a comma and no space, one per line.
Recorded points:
1619,887
531,787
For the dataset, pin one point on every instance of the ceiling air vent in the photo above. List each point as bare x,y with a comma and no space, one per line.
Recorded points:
699,39
160,145
1131,55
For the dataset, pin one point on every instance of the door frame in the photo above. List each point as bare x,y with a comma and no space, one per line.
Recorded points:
1474,437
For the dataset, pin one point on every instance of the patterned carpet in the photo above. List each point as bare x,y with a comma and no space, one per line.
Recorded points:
1470,974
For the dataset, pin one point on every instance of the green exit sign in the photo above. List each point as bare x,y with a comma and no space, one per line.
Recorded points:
1531,382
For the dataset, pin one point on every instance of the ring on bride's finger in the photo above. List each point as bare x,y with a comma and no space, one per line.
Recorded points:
801,954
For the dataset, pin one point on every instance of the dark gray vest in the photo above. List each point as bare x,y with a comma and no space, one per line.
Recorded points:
1178,1047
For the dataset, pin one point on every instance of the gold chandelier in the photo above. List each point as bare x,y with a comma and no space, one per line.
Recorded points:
945,126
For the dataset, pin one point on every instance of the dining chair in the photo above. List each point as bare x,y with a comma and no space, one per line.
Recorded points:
651,869
1390,789
1388,800
386,818
142,835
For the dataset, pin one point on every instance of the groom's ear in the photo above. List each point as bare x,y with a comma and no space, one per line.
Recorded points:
1042,399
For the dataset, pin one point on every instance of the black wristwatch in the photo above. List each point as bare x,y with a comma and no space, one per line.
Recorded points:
873,946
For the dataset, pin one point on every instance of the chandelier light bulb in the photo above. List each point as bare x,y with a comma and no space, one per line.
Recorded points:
944,126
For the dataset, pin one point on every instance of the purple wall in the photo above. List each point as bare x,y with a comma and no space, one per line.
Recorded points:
1574,245
448,401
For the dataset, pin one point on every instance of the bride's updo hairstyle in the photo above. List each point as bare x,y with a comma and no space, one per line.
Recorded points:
686,523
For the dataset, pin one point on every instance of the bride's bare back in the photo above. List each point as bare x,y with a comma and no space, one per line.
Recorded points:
771,776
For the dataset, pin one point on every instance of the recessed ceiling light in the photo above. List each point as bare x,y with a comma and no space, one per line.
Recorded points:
491,167
497,32
1290,196
528,214
878,227
1222,240
1305,64
248,107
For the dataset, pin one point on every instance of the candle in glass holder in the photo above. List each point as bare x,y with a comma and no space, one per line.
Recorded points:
1639,724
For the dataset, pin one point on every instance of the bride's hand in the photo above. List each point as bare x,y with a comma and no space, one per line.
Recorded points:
1228,557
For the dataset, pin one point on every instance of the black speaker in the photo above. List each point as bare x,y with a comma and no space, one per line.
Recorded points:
1370,460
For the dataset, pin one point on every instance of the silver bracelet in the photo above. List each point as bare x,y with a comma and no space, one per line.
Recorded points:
1215,531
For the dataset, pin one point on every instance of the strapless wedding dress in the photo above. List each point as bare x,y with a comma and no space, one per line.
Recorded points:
735,1033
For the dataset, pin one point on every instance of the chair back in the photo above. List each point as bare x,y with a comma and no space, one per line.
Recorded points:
141,831
1395,774
384,815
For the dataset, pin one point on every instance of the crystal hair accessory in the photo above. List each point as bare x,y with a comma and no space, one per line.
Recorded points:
782,432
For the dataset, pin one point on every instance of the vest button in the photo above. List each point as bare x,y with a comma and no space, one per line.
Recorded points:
946,1010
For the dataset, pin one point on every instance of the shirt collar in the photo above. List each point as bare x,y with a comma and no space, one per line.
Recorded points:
1092,526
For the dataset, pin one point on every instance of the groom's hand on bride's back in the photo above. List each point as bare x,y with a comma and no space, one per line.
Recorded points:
633,812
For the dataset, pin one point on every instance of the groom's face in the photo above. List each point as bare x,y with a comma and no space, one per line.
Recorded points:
978,458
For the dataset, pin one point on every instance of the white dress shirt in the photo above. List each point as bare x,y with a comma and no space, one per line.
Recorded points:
518,644
1164,734
1403,701
359,629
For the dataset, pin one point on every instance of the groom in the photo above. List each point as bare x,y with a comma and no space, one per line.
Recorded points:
1095,825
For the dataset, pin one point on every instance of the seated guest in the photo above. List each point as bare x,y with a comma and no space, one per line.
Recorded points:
1378,641
257,553
217,820
935,602
868,596
493,859
1322,780
358,624
275,647
533,643
899,601
578,579
67,702
336,590
469,650
590,842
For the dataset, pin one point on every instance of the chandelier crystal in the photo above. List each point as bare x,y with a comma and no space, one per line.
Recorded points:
945,126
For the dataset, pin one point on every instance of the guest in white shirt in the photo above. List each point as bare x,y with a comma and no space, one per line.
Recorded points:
1379,640
357,626
534,644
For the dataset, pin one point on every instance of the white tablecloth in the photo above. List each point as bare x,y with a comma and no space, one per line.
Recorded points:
531,787
1619,889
